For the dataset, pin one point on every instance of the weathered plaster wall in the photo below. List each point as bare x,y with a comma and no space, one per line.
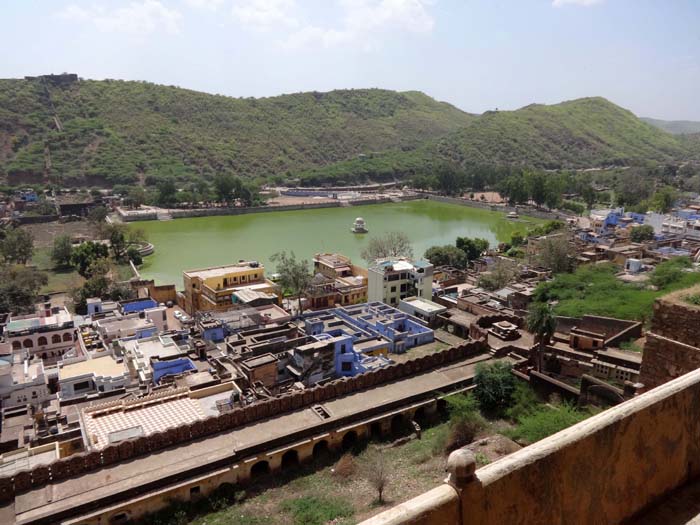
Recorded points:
604,470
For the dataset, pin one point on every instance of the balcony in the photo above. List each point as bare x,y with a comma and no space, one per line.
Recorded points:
638,462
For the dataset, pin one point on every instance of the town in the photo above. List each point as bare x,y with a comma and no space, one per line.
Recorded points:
254,370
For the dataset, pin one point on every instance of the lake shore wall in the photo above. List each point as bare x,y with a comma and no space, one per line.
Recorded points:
210,212
524,210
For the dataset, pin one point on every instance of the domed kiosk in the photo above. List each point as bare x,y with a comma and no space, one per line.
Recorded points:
359,226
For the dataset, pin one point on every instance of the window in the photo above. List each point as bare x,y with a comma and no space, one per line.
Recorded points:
119,519
42,341
342,349
346,367
83,385
195,491
393,289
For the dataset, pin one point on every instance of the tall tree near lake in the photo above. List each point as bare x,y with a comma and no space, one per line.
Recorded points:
19,287
295,277
542,322
447,255
388,246
473,248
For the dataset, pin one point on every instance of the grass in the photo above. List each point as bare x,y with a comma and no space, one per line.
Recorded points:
314,510
60,279
545,421
595,290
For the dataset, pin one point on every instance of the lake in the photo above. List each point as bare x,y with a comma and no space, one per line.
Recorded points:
187,244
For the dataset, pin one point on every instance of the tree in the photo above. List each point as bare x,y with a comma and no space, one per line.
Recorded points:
447,255
502,272
473,248
117,241
19,287
17,247
97,215
62,250
224,184
295,277
555,253
167,192
136,197
85,254
377,473
449,180
663,200
588,195
642,233
495,386
514,189
542,322
536,183
388,246
134,255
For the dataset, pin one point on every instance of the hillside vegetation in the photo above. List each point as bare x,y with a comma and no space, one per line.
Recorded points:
117,131
90,132
677,127
581,133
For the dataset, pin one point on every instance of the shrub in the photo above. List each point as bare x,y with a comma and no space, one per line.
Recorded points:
495,385
345,467
546,421
524,402
465,421
317,510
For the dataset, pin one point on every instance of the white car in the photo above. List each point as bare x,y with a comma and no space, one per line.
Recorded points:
178,314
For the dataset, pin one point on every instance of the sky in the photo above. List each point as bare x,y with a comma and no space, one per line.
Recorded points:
476,54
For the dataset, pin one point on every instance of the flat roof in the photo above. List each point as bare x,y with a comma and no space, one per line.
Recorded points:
220,271
424,304
102,366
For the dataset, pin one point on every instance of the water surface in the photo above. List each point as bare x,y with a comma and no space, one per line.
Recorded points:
185,244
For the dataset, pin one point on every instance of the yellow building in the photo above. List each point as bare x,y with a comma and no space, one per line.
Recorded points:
220,287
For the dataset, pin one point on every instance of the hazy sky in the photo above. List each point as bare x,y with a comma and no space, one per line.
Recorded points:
478,55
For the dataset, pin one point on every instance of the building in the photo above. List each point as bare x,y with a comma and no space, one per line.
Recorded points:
91,376
391,280
423,309
47,335
336,282
215,288
22,381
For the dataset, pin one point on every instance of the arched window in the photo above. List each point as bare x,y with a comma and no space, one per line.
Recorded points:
28,343
42,341
16,345
55,338
67,337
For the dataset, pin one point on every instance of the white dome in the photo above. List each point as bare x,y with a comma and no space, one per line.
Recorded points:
359,219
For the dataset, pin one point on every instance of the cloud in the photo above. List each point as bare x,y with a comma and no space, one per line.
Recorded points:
363,21
582,3
138,17
265,14
211,5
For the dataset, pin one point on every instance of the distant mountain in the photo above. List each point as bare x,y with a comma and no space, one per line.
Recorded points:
587,132
677,127
91,132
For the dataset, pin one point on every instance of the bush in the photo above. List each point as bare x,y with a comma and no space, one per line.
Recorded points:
345,467
669,272
524,402
317,510
495,386
465,421
546,421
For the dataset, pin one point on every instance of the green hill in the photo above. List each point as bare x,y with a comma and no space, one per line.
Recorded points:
120,132
677,127
581,133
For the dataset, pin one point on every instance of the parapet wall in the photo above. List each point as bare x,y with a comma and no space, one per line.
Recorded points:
606,469
672,346
80,463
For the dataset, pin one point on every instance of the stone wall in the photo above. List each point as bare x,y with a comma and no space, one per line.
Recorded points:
84,462
672,345
606,469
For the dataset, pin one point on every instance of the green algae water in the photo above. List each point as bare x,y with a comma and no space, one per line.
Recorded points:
186,244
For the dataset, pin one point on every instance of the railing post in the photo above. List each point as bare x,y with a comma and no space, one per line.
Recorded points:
461,466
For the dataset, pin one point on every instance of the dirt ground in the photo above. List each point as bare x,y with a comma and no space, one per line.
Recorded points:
286,200
46,232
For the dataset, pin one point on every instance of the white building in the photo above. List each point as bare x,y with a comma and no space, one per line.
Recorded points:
91,376
423,309
47,335
22,382
390,281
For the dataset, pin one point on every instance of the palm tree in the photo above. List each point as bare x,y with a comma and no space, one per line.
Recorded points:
542,322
